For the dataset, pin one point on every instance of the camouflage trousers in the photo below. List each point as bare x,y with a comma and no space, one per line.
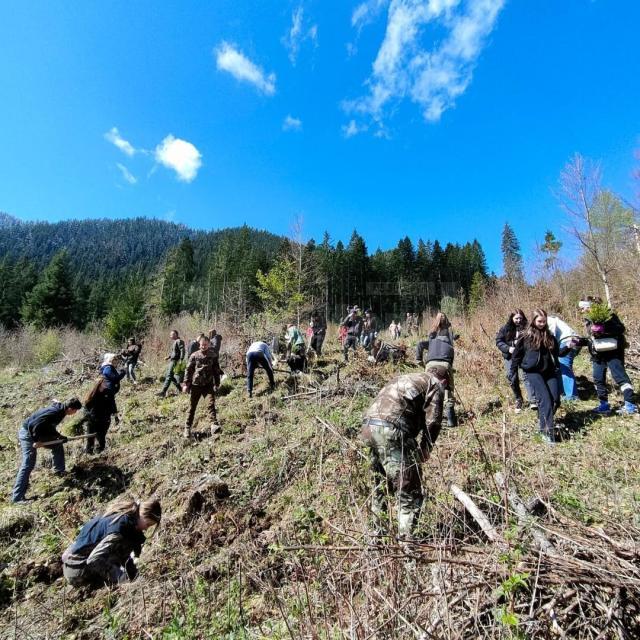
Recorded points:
395,464
108,563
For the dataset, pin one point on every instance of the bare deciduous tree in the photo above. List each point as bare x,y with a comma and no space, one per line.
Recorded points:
597,217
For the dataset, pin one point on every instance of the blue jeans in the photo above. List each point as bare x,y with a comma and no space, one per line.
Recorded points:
29,462
568,378
258,359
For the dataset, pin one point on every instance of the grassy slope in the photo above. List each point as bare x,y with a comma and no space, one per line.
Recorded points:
230,571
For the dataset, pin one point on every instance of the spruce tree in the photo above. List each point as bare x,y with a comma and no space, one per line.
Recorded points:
52,301
511,257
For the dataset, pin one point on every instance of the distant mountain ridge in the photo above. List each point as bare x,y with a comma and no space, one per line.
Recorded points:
112,247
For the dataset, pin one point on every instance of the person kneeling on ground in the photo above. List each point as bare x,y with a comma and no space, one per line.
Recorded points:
296,347
200,380
40,427
607,345
259,355
101,554
405,408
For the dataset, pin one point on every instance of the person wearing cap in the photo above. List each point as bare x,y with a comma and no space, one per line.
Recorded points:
104,551
40,427
407,408
606,344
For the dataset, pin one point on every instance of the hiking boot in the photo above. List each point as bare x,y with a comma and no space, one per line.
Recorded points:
186,433
518,408
215,428
160,394
627,409
603,408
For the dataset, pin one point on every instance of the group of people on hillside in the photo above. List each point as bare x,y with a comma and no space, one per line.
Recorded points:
541,353
399,428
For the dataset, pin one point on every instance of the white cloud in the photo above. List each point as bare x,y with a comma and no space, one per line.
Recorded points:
431,77
292,124
353,129
298,33
366,12
179,155
229,59
126,174
113,136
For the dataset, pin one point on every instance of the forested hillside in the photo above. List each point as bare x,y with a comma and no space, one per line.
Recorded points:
79,271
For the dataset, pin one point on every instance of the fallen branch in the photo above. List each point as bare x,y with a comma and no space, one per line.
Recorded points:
477,514
525,519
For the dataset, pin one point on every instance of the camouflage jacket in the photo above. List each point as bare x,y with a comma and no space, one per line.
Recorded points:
201,368
412,403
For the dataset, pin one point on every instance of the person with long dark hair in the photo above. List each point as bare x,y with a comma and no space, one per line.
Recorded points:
101,554
99,406
537,353
506,339
439,346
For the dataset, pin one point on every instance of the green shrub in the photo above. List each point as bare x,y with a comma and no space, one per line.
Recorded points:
599,312
48,346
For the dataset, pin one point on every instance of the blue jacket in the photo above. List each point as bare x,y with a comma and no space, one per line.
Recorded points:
42,424
112,376
100,527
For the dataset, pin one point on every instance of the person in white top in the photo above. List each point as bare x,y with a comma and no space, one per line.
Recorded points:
566,337
259,355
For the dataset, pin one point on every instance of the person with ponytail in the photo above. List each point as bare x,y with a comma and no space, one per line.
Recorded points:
99,406
102,552
537,354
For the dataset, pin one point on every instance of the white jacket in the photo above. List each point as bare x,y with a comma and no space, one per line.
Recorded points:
560,329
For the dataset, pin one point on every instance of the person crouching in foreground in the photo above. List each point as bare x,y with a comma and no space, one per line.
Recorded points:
40,427
101,554
407,407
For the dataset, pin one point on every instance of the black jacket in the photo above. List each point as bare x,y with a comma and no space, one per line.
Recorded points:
613,328
102,406
353,325
543,361
506,338
440,346
42,424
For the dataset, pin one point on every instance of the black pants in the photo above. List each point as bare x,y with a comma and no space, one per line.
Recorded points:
618,373
350,342
258,359
546,388
316,343
100,428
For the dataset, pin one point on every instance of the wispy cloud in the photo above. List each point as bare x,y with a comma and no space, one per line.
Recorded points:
113,136
431,77
126,174
298,33
366,12
179,155
353,129
229,59
292,124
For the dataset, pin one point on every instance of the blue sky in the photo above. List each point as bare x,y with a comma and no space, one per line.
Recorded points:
428,118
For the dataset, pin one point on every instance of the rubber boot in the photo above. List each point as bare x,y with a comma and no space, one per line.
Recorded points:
452,418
